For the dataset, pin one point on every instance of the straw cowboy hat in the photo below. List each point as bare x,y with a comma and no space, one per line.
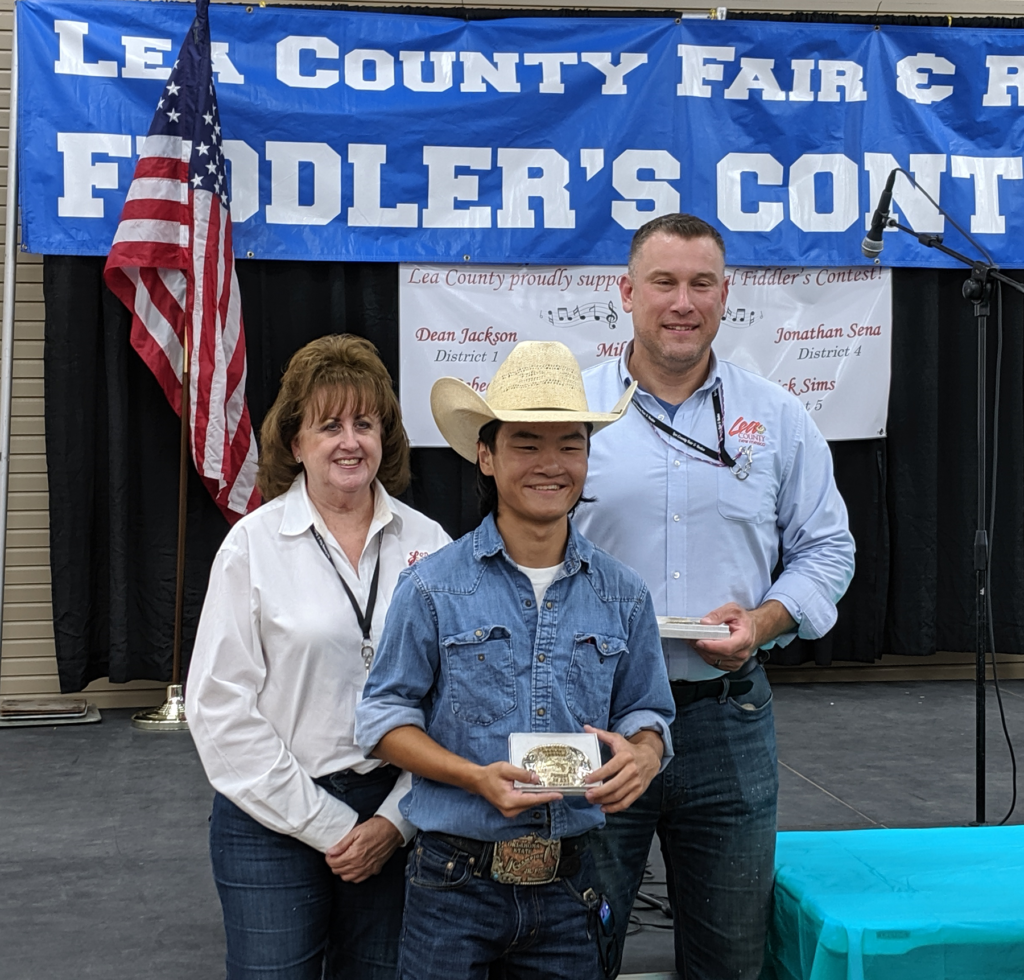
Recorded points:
538,382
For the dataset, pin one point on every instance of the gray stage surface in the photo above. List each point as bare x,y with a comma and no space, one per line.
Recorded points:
103,858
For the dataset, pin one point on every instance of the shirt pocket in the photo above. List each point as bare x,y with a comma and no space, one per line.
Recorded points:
588,686
481,673
750,500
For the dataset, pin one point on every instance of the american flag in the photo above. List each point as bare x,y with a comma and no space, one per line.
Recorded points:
171,264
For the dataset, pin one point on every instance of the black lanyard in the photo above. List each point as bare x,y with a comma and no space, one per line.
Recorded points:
364,619
719,456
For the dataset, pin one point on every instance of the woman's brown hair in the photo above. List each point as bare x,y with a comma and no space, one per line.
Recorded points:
327,374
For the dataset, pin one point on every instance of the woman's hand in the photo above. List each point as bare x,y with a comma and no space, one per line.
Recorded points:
364,850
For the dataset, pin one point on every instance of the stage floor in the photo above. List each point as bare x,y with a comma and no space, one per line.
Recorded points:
103,844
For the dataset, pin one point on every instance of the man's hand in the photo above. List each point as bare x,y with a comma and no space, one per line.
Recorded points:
748,630
495,784
364,850
634,763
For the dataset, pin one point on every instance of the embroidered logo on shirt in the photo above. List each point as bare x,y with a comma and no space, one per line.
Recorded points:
751,432
415,556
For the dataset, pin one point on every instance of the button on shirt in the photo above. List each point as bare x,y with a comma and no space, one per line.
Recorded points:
470,656
699,536
276,671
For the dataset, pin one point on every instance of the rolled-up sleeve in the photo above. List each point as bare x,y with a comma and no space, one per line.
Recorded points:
244,757
404,668
389,808
642,697
817,547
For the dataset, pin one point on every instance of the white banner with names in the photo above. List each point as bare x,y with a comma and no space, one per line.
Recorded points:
821,333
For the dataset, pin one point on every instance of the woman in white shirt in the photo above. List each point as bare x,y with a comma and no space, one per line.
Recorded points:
306,837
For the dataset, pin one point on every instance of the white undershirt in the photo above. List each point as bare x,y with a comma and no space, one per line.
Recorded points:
540,578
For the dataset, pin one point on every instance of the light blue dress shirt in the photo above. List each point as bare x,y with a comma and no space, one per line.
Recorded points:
699,536
467,655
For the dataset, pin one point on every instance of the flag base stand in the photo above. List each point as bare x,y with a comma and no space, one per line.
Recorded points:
169,717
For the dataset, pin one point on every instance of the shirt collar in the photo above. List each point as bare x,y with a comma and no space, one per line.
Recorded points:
713,380
487,542
300,514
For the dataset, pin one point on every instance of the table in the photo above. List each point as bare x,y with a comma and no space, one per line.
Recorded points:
933,904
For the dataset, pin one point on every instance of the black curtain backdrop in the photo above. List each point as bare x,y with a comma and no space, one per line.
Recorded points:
112,452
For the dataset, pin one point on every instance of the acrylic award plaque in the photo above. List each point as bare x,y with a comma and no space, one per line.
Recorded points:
561,760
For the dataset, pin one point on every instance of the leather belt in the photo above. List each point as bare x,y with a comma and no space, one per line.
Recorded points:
728,685
491,857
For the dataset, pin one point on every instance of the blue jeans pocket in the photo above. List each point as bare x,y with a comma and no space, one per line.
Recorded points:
757,701
433,867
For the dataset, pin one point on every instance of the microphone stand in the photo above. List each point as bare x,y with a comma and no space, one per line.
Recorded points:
977,290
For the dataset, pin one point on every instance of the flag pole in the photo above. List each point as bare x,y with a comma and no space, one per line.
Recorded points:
170,716
179,585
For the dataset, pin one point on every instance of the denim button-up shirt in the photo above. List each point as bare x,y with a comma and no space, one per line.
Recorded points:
468,656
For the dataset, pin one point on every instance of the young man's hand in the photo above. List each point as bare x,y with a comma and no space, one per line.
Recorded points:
495,784
634,763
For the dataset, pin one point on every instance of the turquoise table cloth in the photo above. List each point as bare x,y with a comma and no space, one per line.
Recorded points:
937,904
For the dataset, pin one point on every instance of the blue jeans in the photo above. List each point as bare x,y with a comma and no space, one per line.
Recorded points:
714,812
461,926
286,915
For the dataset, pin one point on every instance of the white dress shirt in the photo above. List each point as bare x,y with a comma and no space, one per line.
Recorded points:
276,670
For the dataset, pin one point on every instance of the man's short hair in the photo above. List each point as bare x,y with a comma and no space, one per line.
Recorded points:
686,226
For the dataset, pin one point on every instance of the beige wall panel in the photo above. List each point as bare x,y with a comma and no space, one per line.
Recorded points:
28,346
28,611
26,387
28,367
22,520
27,425
29,575
26,631
29,667
27,500
28,406
28,463
33,592
29,482
32,684
38,647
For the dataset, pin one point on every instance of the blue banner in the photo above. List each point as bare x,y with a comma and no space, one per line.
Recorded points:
378,137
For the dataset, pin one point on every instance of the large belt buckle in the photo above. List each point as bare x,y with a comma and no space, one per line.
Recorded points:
529,860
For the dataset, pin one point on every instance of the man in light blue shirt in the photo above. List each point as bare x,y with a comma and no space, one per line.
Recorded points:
521,626
713,477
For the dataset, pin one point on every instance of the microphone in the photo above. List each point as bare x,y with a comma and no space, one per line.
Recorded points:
872,244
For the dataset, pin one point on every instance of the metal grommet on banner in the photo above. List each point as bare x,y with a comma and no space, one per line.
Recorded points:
465,258
249,255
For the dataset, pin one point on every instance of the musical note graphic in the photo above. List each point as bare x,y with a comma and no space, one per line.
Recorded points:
564,317
741,315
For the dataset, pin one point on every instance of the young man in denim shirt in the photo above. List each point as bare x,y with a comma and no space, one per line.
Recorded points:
520,626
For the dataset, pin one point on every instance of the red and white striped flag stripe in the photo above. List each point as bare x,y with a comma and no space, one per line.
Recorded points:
171,264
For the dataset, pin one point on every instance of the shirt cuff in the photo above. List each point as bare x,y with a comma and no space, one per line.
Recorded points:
637,721
815,615
374,719
389,808
333,822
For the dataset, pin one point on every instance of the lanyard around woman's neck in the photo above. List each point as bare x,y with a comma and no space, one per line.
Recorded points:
363,618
